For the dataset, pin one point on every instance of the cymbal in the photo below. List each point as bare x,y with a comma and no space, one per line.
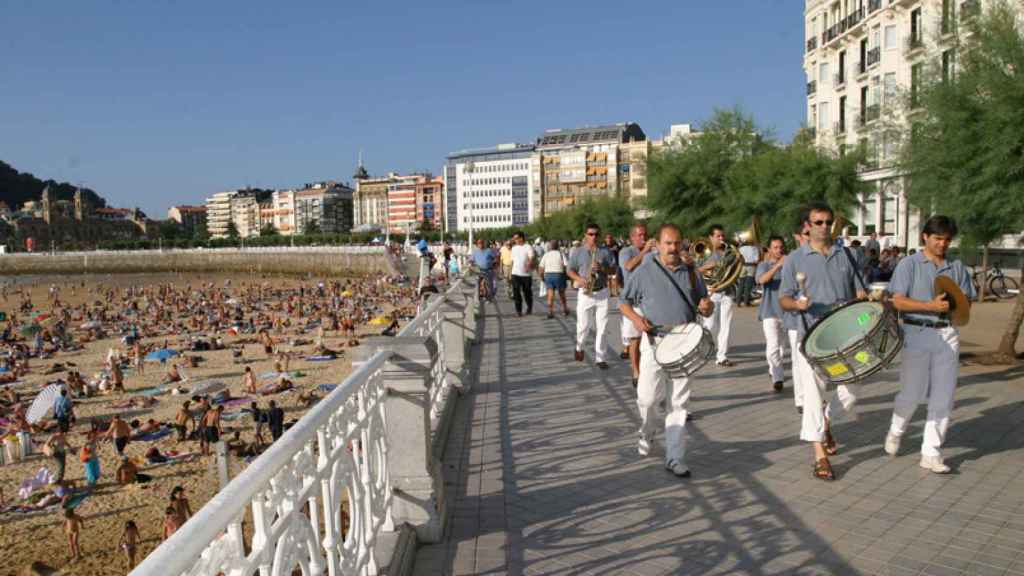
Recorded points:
959,309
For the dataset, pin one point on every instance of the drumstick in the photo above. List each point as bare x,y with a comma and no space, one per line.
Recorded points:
801,281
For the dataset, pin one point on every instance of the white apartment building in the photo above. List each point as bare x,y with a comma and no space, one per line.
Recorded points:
218,213
370,202
864,61
245,213
492,188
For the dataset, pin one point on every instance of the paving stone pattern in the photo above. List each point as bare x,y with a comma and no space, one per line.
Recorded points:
544,475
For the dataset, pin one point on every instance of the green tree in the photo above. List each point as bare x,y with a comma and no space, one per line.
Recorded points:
169,229
268,230
965,154
232,230
687,183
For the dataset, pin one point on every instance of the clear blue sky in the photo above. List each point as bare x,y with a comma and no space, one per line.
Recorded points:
156,103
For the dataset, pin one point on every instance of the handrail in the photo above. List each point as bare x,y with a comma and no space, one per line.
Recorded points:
181,551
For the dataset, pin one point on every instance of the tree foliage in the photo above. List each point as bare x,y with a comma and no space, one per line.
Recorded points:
733,171
965,154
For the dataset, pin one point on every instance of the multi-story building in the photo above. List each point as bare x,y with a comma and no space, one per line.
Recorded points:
370,201
325,207
492,187
245,213
401,210
218,213
588,162
865,61
429,202
188,217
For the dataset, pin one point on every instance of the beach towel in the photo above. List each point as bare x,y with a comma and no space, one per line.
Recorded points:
154,391
152,436
234,401
40,479
320,358
76,500
231,416
327,387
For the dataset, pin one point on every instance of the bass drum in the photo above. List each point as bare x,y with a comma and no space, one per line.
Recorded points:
853,342
684,350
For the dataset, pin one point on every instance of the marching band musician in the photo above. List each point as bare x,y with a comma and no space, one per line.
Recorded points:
827,279
931,344
800,236
592,296
720,322
630,258
770,313
659,284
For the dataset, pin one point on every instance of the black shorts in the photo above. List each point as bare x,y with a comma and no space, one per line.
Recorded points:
268,349
120,443
212,435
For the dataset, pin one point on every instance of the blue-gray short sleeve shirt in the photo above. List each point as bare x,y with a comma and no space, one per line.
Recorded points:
770,307
649,288
625,255
914,277
579,262
831,280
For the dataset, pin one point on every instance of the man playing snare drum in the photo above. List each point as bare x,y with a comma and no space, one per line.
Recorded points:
931,345
827,278
655,285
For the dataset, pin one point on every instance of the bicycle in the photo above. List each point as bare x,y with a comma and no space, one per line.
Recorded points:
997,283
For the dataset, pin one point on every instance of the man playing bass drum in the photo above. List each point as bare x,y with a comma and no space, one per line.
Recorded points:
827,278
655,285
931,344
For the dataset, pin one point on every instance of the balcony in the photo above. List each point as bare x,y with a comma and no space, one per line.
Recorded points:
812,43
915,42
874,56
812,87
870,114
840,80
839,128
874,6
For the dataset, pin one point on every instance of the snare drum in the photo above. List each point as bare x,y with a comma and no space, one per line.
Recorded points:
684,350
853,342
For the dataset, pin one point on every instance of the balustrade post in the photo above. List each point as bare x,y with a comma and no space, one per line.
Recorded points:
414,470
455,315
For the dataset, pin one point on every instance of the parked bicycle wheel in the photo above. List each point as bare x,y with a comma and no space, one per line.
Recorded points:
1004,287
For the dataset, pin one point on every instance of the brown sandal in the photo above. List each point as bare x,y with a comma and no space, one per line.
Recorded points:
823,470
831,446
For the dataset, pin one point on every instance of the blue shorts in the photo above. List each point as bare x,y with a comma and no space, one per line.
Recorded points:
554,280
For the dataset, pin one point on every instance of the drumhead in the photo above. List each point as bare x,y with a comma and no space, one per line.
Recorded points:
681,341
843,327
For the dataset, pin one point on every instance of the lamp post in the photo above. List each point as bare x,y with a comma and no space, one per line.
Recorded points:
467,172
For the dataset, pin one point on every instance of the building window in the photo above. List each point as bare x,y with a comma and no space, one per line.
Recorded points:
891,39
915,83
948,63
890,89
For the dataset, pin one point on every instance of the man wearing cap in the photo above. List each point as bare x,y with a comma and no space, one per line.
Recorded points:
931,344
671,294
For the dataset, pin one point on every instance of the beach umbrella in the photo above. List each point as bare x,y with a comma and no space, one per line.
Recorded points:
91,324
30,330
43,403
162,355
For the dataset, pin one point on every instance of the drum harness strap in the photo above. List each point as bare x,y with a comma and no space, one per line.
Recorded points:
856,274
686,299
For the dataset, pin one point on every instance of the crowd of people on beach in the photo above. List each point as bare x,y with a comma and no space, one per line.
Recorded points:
172,326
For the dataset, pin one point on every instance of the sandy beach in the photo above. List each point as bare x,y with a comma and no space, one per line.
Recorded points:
39,535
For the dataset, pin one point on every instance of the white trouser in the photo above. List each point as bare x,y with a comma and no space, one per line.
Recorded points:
774,346
930,356
720,323
798,375
840,406
628,330
598,302
654,385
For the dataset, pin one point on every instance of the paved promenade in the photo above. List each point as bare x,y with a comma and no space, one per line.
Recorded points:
545,478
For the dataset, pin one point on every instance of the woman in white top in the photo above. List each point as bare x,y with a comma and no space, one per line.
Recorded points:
552,269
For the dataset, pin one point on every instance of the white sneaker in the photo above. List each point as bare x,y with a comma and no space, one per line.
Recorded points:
677,468
934,464
892,444
644,446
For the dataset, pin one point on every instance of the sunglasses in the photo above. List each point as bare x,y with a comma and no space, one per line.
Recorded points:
822,222
591,233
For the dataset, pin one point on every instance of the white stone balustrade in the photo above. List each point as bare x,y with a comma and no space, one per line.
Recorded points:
359,464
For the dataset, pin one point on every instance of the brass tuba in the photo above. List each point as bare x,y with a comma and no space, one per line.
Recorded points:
838,224
727,271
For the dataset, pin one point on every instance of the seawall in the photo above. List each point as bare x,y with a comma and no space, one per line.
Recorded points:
326,261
